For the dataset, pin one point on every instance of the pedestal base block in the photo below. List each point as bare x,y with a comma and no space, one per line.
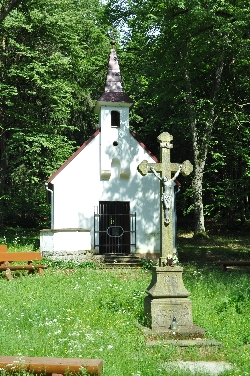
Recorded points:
159,313
167,283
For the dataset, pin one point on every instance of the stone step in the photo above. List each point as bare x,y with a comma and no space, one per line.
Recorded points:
122,260
198,367
121,266
113,260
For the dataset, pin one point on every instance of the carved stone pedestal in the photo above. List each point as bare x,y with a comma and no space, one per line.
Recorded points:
161,312
168,298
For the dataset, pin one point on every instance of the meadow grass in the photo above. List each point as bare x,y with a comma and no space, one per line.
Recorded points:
94,313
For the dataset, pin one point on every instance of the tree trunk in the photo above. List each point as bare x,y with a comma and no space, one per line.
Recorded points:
201,135
3,165
2,175
200,154
199,161
199,225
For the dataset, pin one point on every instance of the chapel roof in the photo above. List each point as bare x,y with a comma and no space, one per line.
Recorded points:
114,91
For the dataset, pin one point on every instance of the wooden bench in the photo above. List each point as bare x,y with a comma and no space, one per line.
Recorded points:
6,258
51,366
225,264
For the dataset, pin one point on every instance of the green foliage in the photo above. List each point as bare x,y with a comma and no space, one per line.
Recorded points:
20,239
6,6
63,265
201,235
236,303
192,66
19,372
124,304
96,313
148,263
184,63
52,62
90,313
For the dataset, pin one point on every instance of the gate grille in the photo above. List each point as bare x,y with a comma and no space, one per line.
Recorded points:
114,228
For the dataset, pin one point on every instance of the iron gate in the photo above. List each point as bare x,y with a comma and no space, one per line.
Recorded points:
114,228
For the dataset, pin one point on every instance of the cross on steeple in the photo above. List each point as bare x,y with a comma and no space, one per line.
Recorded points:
163,171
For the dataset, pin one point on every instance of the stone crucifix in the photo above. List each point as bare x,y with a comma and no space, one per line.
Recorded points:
163,171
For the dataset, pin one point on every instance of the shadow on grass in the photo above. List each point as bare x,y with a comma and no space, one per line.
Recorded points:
205,251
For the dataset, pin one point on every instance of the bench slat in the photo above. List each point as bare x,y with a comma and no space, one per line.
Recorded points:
20,256
232,263
22,267
237,263
3,248
224,264
52,365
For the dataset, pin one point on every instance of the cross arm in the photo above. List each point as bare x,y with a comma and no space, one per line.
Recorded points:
186,168
144,167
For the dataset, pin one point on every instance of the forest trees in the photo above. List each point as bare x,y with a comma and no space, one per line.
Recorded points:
6,6
52,59
192,64
185,63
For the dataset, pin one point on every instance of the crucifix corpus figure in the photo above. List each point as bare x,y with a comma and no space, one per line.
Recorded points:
168,192
163,171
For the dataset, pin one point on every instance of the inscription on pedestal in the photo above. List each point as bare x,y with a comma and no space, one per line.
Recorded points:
164,316
171,280
160,312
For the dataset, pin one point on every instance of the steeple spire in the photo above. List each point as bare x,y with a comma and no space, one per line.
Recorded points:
114,79
113,91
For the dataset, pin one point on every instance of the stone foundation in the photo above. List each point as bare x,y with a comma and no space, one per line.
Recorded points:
76,256
66,244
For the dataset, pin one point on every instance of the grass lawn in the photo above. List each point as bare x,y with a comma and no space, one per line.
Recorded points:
94,313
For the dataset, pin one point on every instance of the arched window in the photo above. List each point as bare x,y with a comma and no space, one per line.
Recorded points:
115,119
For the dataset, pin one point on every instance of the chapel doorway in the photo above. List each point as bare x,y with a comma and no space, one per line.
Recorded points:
115,228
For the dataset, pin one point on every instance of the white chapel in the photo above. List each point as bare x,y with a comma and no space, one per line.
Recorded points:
99,201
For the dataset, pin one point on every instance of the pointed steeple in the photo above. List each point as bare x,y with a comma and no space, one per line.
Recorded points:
114,79
114,91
